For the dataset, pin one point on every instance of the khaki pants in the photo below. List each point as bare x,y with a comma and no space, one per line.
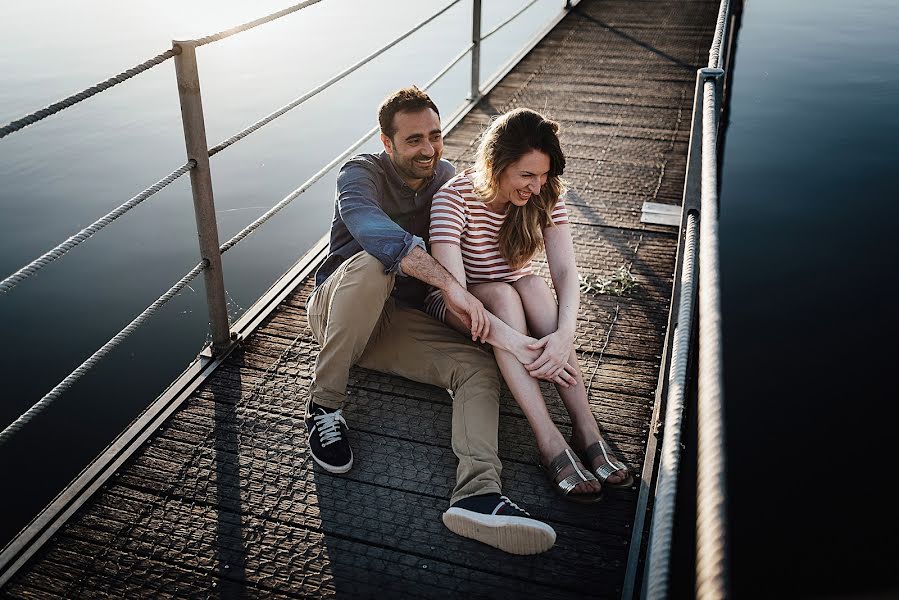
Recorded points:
354,318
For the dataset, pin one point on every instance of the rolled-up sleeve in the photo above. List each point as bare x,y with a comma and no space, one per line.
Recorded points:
378,235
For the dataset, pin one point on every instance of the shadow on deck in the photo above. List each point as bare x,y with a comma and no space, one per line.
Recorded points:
223,500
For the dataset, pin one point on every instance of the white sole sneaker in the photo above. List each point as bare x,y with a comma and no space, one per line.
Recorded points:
332,468
515,535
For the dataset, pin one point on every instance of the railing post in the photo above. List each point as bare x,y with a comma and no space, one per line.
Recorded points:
476,50
201,186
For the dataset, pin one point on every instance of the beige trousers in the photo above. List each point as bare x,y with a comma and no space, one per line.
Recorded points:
356,322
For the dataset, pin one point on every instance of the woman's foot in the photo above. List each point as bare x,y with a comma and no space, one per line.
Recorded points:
597,454
568,475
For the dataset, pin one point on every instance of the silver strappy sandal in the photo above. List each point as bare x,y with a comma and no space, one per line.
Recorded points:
566,485
609,467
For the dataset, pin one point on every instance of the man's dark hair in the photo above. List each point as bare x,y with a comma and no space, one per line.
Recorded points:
409,99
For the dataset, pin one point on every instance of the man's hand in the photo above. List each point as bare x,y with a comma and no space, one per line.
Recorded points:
526,354
553,360
469,309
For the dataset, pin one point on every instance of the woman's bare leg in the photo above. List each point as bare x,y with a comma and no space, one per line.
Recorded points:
502,300
541,313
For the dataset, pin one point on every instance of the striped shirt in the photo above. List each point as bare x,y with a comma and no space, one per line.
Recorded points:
460,217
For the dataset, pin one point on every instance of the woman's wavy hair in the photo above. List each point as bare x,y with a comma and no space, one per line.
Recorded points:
506,140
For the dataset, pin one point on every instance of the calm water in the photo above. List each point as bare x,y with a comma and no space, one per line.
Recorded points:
808,204
809,268
59,176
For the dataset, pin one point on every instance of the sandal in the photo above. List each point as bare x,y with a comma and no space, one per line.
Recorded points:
566,485
609,467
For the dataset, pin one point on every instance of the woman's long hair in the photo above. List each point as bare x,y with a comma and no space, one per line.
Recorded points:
509,137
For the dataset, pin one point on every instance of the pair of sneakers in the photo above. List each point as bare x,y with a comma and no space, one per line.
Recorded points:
489,518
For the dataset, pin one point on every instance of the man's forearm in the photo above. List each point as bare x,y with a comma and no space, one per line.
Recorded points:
424,267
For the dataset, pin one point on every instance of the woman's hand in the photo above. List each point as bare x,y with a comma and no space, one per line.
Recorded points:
528,352
553,360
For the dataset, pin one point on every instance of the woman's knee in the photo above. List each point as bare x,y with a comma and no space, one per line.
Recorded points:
532,286
503,301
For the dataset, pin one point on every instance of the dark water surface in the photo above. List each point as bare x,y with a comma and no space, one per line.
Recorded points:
809,272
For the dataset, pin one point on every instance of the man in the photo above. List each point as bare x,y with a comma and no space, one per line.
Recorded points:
365,311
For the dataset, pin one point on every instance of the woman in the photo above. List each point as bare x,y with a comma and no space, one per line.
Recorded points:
486,225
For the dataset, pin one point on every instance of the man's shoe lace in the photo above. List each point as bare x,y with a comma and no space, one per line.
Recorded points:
328,427
506,500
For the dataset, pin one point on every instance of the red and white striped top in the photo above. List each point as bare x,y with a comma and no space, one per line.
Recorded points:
459,216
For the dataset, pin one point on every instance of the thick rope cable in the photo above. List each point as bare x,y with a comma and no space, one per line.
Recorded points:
60,250
659,557
711,514
296,193
66,383
448,66
54,108
254,23
290,106
324,170
509,20
716,60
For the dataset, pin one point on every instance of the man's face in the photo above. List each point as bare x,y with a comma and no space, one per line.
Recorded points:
417,145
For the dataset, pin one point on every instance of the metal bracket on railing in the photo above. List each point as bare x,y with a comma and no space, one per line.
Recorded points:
208,353
717,76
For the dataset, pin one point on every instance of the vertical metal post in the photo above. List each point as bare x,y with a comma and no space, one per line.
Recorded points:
476,50
567,4
201,185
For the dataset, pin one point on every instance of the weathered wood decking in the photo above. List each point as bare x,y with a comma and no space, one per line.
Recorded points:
223,500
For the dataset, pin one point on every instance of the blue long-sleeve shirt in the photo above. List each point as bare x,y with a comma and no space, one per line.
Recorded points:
377,212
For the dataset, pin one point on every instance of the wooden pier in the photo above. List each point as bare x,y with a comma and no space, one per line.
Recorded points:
222,500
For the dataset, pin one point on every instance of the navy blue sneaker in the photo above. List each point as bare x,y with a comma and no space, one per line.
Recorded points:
497,521
328,441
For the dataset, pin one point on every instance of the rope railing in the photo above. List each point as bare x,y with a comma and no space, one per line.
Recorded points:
66,383
140,319
509,20
711,516
45,259
711,513
287,107
711,482
716,59
254,23
333,163
658,561
297,192
74,99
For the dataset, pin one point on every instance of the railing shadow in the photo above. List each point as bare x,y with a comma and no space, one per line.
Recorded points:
230,542
635,41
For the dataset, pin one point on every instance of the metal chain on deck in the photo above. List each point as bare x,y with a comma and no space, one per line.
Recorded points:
287,107
66,383
254,23
659,557
711,513
48,257
54,108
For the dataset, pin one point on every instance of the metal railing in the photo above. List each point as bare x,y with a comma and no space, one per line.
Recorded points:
198,155
698,264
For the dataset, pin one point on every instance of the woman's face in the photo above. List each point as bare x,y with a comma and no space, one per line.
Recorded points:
523,178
